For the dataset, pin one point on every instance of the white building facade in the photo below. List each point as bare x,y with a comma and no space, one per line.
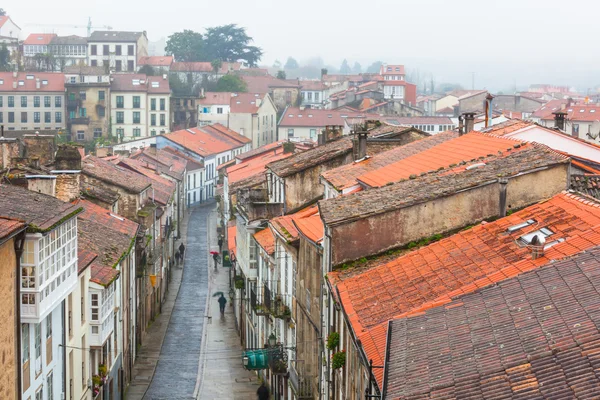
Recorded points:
117,51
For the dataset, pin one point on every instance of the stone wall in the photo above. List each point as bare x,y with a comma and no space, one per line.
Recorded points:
373,235
9,150
8,351
41,147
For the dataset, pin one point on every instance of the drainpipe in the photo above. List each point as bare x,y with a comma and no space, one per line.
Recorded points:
503,186
19,243
64,340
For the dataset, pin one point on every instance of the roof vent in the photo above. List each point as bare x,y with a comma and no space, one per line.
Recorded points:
513,228
537,246
191,131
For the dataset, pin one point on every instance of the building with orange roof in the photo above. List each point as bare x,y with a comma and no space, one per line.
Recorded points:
254,115
403,286
160,64
212,145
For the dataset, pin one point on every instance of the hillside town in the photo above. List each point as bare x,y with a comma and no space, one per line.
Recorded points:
188,223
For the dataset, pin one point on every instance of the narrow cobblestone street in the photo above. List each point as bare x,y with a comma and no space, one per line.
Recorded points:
190,351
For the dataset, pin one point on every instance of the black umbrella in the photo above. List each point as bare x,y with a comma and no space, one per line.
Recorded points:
218,294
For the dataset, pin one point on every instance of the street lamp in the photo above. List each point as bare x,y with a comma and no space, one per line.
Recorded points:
272,340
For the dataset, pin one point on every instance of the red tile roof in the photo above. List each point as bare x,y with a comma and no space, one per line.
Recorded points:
26,82
104,233
164,189
313,85
156,61
264,84
320,118
191,164
208,140
103,276
266,240
534,336
285,225
310,225
9,226
139,83
118,176
463,148
545,111
507,127
246,103
84,258
583,112
39,38
346,176
238,174
215,99
462,263
392,70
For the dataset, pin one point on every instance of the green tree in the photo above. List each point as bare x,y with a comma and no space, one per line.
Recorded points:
230,43
231,83
147,70
216,66
281,74
186,46
2,12
277,65
375,67
357,68
4,58
291,63
345,68
323,72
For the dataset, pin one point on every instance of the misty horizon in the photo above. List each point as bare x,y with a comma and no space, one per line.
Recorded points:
506,45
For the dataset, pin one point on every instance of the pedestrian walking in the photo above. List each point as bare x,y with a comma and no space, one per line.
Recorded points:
216,259
181,250
263,392
220,243
222,302
177,256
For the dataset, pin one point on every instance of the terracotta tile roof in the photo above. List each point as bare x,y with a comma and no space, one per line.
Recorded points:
346,176
246,103
4,19
139,83
84,259
190,163
266,240
104,233
285,226
259,151
158,85
313,85
39,38
419,120
583,112
215,99
310,158
114,175
532,336
156,61
252,172
264,84
433,185
164,189
587,168
586,184
463,148
545,111
462,263
10,226
310,225
103,276
320,118
208,140
167,163
115,36
49,82
41,212
507,127
231,236
392,69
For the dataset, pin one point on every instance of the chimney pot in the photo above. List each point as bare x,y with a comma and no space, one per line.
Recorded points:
537,247
362,145
559,120
469,118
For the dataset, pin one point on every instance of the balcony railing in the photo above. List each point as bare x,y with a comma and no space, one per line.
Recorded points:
72,104
300,385
80,121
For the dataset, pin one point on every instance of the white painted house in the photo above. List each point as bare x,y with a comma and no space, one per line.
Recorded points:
117,51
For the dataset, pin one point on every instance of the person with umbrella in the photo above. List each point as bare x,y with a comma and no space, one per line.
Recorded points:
177,257
215,257
222,301
220,243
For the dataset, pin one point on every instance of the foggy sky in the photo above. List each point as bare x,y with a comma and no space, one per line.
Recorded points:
506,43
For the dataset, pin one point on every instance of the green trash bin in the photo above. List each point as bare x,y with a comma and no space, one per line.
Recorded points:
226,259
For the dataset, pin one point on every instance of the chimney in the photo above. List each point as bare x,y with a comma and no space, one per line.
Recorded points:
361,144
201,93
488,110
15,74
503,185
14,84
461,126
164,77
37,83
321,139
537,247
469,118
559,120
